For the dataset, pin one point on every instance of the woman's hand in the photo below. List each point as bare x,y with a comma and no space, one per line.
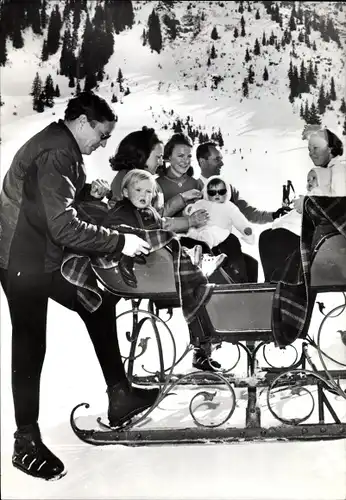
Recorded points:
199,218
192,194
298,204
99,189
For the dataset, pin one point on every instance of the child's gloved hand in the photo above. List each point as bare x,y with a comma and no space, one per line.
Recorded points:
248,231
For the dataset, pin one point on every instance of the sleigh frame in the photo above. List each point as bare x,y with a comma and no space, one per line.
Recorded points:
240,314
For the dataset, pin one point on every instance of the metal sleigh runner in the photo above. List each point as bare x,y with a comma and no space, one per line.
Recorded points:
224,407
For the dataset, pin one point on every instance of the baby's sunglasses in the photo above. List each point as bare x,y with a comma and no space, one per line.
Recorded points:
214,192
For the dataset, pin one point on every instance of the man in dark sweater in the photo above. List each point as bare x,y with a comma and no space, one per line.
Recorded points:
210,161
38,221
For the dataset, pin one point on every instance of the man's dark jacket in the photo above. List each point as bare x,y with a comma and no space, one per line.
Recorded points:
38,217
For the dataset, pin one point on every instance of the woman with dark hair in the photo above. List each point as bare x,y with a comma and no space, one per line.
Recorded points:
277,245
141,149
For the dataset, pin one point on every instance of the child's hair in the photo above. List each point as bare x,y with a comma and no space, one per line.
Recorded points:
215,182
136,175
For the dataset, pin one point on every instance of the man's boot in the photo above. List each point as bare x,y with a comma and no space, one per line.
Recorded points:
125,402
31,456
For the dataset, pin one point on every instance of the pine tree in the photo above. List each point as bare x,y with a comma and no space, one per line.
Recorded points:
49,92
265,74
53,36
66,54
236,33
208,61
36,91
344,129
314,45
17,37
257,16
154,32
219,138
114,98
343,106
249,8
213,54
301,36
120,77
292,24
321,102
332,90
313,115
264,40
272,39
303,84
241,7
214,34
57,91
1,101
36,86
251,75
44,14
44,53
301,112
257,49
144,37
242,22
247,56
245,87
306,111
310,77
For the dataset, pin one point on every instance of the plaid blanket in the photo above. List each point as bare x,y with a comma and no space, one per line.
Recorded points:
192,286
291,310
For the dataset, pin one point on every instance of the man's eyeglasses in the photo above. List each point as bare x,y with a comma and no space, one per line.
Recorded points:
105,137
214,192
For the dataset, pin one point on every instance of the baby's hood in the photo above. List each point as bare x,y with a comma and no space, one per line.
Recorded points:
323,178
219,178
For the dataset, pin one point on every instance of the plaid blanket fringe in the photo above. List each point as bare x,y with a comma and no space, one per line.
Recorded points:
291,307
192,286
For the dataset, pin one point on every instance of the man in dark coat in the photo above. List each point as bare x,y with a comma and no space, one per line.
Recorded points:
38,221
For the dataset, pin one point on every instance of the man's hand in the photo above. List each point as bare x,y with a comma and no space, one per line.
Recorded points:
99,189
192,194
281,211
199,218
135,246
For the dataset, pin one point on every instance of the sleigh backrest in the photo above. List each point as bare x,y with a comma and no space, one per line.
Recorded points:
156,277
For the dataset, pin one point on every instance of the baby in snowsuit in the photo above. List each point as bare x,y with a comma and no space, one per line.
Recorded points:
223,215
318,184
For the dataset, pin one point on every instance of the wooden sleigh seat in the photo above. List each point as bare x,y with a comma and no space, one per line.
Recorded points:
237,311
